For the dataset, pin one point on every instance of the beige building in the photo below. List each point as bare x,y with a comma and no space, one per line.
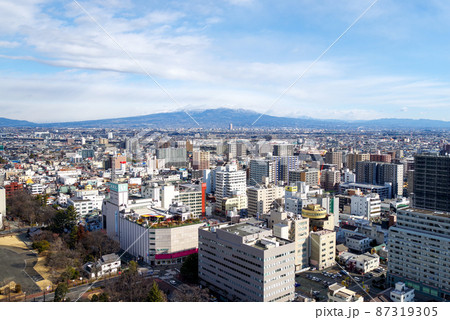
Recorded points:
245,262
323,249
238,202
353,158
295,228
334,157
200,160
261,199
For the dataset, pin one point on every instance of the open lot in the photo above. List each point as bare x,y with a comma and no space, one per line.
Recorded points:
317,282
16,264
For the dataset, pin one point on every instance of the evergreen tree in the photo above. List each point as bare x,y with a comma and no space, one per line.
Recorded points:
189,269
60,292
155,294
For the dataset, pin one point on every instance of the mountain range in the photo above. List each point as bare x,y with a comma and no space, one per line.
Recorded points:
222,117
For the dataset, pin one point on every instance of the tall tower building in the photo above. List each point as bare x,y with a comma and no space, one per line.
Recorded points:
432,182
379,173
353,158
200,160
334,157
229,181
418,252
261,171
283,150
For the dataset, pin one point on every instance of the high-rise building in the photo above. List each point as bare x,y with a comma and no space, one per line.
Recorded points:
245,262
283,150
310,176
431,182
334,157
330,179
378,173
262,172
323,249
381,158
229,181
282,167
262,199
353,158
173,156
200,160
293,227
418,252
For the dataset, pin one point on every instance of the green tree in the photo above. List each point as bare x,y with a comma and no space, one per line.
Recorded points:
41,246
60,292
155,294
132,267
189,269
64,221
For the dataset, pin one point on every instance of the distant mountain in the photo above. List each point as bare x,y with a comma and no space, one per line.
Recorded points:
4,122
222,117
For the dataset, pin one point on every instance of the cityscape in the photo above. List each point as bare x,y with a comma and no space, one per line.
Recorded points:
229,151
235,214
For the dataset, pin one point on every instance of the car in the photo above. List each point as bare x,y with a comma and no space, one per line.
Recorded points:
173,282
343,272
334,276
357,279
297,284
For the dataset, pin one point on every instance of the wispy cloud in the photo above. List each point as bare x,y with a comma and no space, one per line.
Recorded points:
228,53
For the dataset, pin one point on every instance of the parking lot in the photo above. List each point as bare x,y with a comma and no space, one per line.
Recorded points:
314,283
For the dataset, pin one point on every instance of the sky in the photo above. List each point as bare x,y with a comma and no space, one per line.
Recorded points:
144,56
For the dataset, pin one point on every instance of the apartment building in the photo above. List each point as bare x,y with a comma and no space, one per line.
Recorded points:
368,206
245,262
200,160
431,182
353,158
334,157
262,199
310,176
323,249
229,182
262,172
378,173
418,251
294,227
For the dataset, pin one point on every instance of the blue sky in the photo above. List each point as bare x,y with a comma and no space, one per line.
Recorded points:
57,65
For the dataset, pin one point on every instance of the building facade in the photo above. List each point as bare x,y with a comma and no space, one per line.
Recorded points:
244,262
418,252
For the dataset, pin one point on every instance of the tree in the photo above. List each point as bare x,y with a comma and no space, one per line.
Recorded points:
41,246
187,293
132,267
60,292
18,288
189,269
155,294
64,221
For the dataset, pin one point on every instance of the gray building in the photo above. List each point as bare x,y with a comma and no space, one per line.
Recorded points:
261,171
245,262
174,156
419,247
431,182
379,173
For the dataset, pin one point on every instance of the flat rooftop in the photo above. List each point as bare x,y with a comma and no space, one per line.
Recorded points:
244,229
428,212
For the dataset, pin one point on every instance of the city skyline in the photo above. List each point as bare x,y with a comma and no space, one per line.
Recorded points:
58,65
